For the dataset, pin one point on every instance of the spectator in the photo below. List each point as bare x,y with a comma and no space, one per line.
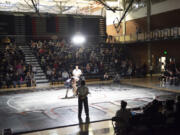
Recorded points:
48,72
53,77
129,71
177,105
124,116
116,78
59,76
8,79
177,110
28,79
169,112
96,70
65,75
88,68
16,79
106,76
144,68
13,67
153,114
152,108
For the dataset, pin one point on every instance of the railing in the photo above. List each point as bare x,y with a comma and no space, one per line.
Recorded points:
164,34
16,38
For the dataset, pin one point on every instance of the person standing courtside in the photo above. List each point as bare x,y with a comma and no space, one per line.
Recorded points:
82,92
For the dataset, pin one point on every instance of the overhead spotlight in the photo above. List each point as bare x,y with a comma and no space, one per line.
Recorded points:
78,39
136,5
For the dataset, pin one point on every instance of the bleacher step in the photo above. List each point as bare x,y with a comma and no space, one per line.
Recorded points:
42,81
30,58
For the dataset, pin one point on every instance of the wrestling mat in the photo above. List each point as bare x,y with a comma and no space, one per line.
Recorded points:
47,108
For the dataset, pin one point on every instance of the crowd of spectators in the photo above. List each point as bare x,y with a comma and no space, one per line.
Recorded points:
118,60
157,114
13,70
60,57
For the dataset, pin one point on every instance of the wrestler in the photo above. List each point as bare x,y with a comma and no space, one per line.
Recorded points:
76,75
68,85
74,86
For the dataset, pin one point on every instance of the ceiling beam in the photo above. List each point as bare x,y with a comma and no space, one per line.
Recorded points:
127,9
35,5
107,6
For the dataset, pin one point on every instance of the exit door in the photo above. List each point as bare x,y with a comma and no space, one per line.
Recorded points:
162,61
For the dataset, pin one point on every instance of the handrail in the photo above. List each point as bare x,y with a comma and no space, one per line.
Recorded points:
163,34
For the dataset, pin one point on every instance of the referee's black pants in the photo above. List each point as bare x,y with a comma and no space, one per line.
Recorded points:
80,106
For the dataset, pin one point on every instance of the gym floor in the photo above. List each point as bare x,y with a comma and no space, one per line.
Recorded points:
46,109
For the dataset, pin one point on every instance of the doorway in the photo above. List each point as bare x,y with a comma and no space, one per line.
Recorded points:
162,61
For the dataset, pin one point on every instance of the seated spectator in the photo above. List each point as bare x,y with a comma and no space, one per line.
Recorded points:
8,79
48,73
177,104
82,78
177,110
129,72
53,77
65,75
152,114
152,108
101,67
59,77
144,70
124,116
169,112
19,68
116,78
95,70
106,76
88,68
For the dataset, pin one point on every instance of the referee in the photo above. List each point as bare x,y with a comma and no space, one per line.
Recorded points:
82,92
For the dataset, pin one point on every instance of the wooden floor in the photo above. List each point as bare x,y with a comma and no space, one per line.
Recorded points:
105,127
98,128
151,82
148,82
